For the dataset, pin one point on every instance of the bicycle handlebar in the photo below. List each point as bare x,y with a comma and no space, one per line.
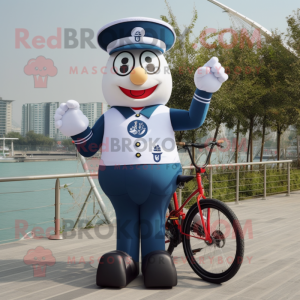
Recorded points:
201,146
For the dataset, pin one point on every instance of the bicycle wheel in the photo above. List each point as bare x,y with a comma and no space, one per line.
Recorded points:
171,230
219,261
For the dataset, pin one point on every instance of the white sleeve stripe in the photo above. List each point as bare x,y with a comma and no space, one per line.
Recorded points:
81,141
202,101
198,97
84,139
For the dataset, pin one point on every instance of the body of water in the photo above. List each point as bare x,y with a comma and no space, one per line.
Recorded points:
31,203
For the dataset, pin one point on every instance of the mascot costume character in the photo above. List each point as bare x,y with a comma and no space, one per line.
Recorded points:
139,163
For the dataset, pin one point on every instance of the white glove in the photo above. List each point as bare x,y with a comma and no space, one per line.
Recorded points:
210,77
69,119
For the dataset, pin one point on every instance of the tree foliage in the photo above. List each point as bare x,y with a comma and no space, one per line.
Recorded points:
263,89
182,60
31,139
293,35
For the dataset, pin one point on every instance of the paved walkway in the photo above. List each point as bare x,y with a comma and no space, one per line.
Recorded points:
271,269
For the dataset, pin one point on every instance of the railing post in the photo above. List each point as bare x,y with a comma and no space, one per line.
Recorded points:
237,196
210,182
82,208
289,178
265,182
57,235
95,190
12,148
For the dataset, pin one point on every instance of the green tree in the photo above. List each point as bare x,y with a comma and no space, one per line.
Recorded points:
183,64
263,89
293,40
237,104
31,138
293,35
67,142
183,60
21,139
282,81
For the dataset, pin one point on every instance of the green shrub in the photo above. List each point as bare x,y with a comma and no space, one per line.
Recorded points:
251,183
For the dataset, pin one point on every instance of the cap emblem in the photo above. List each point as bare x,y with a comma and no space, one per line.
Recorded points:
137,33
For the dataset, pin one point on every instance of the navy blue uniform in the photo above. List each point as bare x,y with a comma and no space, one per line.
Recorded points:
140,194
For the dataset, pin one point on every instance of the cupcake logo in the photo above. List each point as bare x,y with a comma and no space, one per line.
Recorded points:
40,68
157,153
39,258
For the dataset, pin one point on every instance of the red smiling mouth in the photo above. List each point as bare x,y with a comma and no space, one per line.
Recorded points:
138,94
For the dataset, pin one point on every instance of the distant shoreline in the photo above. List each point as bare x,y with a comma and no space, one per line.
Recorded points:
55,158
38,158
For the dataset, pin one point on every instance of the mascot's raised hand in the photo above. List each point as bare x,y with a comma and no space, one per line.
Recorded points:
210,77
69,119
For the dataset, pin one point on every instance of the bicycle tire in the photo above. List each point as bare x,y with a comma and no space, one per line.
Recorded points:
239,254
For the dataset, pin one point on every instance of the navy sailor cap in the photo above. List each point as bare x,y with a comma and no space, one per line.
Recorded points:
136,33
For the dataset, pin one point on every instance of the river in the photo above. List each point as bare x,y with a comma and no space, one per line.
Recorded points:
31,203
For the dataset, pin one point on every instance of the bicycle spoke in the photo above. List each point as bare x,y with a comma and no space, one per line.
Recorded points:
224,259
212,258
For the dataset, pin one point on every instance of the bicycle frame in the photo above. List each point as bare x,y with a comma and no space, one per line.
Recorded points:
180,215
181,227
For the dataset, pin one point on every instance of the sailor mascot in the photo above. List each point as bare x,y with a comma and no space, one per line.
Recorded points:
140,162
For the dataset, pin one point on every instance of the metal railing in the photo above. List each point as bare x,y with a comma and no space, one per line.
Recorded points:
236,169
38,148
57,235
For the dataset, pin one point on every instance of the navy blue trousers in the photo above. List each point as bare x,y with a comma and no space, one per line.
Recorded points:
140,195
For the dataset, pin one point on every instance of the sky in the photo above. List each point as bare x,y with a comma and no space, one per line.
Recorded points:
41,19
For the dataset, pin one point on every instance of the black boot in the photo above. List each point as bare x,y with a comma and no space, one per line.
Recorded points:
159,270
116,269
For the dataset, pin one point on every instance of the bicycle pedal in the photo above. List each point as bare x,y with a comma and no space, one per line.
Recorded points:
174,218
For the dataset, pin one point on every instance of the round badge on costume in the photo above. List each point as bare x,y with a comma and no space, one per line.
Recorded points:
137,129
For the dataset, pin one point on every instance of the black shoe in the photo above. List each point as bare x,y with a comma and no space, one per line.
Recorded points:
116,269
159,270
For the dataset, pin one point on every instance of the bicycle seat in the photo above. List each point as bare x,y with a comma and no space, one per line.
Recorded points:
184,179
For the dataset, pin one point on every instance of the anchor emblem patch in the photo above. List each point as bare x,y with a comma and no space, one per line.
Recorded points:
138,33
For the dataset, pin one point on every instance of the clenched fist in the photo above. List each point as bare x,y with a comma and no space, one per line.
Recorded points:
69,119
210,77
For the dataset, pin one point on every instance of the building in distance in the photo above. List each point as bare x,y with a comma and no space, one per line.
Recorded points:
93,111
5,116
39,117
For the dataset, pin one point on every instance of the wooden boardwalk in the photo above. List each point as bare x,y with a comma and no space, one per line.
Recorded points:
271,269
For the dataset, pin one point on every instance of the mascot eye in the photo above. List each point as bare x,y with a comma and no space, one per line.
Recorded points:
150,62
123,63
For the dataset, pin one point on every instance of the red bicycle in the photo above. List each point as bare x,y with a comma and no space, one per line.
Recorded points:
210,232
